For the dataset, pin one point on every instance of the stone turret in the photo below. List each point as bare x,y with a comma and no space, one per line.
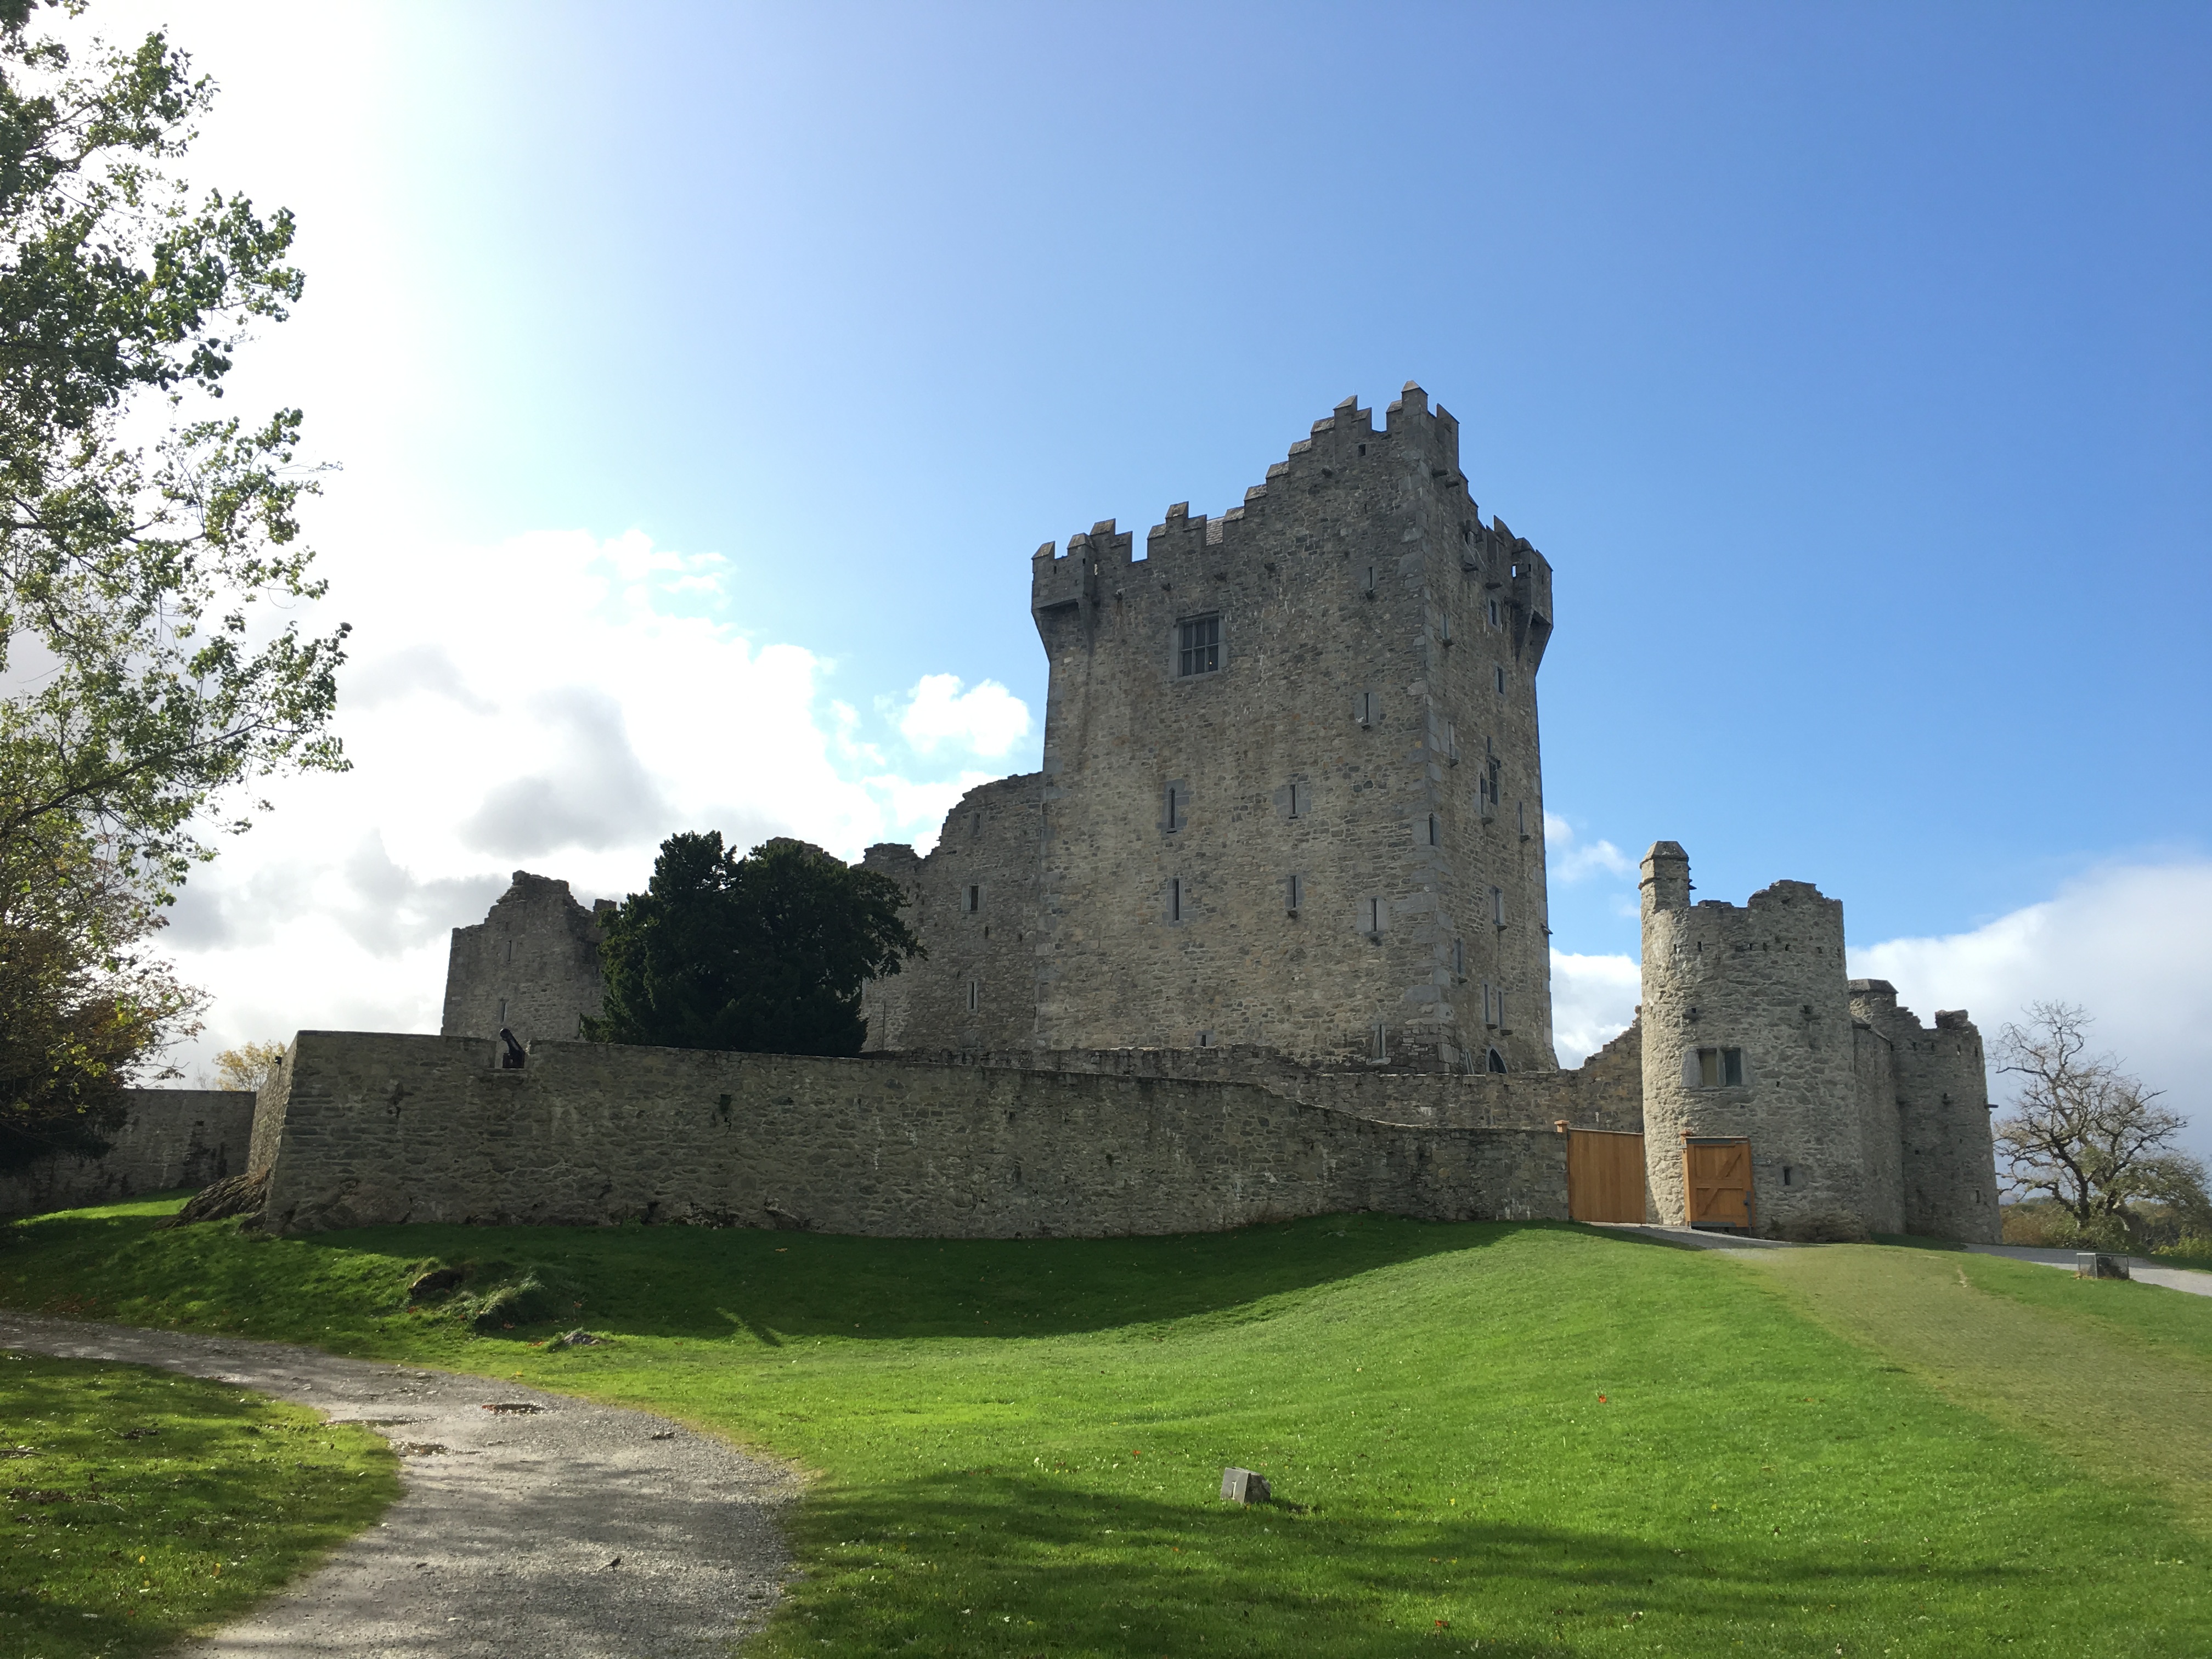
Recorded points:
1939,1080
1747,1034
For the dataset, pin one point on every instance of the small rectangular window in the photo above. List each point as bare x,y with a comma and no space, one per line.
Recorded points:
1436,831
1447,628
1206,1039
1174,899
1708,1068
1298,802
502,1010
1382,1040
1789,1175
974,994
1521,812
1294,893
1493,613
1375,916
1362,709
1498,906
1732,1068
1459,958
1451,743
1199,646
1367,583
1499,673
1174,808
975,900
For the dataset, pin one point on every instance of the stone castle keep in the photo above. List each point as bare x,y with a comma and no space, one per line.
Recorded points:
1265,936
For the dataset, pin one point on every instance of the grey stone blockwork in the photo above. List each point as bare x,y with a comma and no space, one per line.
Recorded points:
1860,1121
359,1129
171,1137
531,964
1131,1019
1362,740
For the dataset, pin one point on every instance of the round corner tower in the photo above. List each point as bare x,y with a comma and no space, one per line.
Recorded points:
1750,1097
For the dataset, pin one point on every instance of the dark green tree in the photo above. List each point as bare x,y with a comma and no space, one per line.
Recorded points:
765,953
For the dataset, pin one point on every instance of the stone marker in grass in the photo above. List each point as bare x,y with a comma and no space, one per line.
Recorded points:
1243,1486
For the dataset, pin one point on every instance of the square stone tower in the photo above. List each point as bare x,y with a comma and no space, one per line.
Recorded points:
1292,795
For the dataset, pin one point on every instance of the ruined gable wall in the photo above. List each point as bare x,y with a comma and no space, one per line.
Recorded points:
1947,1177
1873,1065
989,844
170,1138
1766,977
531,964
1309,644
373,1128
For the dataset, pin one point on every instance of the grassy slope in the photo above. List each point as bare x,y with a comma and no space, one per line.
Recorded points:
2037,1348
1019,1443
141,1506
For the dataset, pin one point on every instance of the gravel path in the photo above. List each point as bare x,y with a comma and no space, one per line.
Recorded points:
531,1524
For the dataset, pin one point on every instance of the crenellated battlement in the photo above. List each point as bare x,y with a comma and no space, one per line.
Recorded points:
1345,449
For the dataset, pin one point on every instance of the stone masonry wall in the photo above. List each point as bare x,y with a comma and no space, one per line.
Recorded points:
371,1128
171,1138
1607,1092
1940,1084
531,964
1767,978
1370,730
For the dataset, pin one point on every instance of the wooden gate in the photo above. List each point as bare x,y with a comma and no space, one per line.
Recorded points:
1716,1177
1605,1176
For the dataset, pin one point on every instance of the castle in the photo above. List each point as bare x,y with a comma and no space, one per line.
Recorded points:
1264,937
1288,836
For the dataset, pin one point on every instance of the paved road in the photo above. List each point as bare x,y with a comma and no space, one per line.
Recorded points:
506,1542
2139,1268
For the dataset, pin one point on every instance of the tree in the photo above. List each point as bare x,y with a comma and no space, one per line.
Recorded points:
2085,1136
85,1007
149,551
248,1065
765,953
145,539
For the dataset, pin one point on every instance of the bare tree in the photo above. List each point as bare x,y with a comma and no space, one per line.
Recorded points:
2086,1135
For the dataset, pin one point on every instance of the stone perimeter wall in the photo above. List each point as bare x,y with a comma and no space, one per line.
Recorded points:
369,1128
173,1138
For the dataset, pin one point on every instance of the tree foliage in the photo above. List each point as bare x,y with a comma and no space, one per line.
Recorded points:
147,540
2087,1138
248,1065
85,1006
149,557
765,953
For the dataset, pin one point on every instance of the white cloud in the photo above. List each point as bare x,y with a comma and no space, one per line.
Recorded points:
986,720
1567,861
557,703
2131,943
1593,999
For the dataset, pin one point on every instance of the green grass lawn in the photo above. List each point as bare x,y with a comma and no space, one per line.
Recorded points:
140,1506
1494,1439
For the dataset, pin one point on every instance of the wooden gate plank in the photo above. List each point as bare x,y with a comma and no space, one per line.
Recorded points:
1605,1176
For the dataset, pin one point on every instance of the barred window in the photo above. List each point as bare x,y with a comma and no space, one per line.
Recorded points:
1199,639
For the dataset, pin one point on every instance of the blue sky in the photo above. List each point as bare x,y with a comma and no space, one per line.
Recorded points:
1851,364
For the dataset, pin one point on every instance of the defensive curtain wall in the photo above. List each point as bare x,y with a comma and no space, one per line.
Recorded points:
1292,795
367,1128
169,1138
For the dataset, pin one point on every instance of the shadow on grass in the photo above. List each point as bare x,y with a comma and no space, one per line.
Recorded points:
1044,1567
685,1281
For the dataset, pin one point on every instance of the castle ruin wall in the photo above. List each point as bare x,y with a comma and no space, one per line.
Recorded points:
370,1128
531,964
169,1137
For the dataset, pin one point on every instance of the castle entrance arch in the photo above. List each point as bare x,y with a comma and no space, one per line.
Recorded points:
1717,1178
1605,1176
